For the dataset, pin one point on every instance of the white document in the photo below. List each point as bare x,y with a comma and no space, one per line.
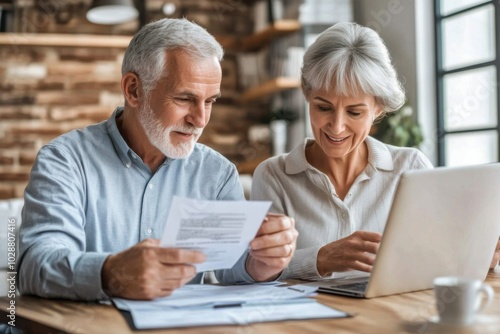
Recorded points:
220,229
204,305
203,295
303,308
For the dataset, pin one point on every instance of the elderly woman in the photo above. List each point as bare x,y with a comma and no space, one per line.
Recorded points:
339,185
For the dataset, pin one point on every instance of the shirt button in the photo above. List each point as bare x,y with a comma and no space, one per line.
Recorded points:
344,215
151,186
148,231
127,165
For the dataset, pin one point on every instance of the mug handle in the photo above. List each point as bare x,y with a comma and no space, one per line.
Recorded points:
482,303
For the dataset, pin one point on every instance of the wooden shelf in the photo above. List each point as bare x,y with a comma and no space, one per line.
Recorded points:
270,87
81,40
279,28
70,40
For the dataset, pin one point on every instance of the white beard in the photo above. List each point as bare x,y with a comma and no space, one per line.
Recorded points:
159,136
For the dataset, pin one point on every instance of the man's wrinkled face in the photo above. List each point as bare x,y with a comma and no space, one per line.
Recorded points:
179,107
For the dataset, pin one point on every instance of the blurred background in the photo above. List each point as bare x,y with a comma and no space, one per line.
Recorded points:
60,70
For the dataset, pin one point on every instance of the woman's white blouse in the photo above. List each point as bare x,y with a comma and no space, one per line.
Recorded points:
301,191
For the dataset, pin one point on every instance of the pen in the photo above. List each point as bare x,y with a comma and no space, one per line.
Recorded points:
265,303
227,305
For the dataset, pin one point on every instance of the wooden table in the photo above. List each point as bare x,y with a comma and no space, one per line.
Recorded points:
406,313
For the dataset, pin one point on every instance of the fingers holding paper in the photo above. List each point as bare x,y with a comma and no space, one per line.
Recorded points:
273,248
147,271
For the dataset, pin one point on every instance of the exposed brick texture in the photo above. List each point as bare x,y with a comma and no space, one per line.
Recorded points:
14,175
73,98
27,158
94,113
22,112
6,159
7,190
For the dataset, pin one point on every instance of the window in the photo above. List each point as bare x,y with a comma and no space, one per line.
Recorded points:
468,70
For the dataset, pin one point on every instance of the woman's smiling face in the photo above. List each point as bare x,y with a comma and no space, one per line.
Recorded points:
341,124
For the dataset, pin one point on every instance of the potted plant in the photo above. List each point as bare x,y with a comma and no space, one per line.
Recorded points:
399,128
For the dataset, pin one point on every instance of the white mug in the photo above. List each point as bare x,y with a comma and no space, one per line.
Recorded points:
459,299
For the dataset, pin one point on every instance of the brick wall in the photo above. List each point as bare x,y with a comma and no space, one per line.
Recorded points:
47,91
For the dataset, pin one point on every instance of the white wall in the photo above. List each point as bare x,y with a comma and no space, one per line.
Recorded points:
407,27
426,76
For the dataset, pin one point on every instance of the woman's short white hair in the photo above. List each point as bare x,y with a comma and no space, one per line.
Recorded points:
146,53
351,60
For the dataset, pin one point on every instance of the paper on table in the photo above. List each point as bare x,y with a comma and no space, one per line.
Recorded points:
196,295
204,305
220,229
303,308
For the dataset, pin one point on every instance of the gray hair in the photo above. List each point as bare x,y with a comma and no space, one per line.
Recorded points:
146,53
348,60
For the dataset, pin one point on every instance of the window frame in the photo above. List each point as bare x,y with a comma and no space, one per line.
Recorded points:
441,73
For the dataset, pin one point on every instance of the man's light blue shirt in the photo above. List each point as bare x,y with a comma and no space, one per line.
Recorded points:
90,196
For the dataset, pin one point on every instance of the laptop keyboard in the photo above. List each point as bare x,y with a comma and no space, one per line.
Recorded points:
361,287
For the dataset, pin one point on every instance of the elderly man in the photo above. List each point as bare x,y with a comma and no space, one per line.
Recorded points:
98,197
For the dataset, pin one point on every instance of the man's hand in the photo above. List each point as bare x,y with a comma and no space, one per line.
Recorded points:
147,271
496,256
355,252
273,248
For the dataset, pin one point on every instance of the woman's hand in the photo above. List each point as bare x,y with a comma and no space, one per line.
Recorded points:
355,252
272,249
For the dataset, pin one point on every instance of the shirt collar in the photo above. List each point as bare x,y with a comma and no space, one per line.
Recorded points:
296,161
119,143
378,156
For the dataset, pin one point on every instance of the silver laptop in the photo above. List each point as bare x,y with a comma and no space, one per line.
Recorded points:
443,221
